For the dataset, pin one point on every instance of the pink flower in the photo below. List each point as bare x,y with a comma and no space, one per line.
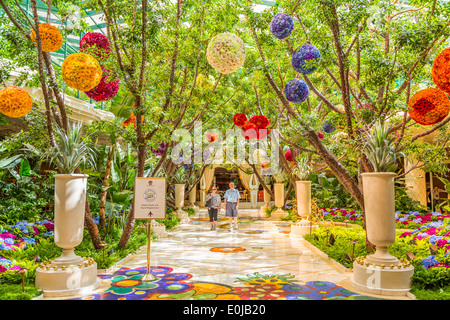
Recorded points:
441,243
14,268
431,231
405,234
36,231
5,235
321,135
2,269
49,226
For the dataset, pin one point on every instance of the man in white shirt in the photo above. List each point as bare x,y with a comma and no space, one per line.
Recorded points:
231,204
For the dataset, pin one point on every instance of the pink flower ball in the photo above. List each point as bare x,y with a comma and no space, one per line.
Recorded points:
96,44
104,90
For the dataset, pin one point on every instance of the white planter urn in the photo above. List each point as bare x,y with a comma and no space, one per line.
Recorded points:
381,273
279,200
379,205
179,201
70,199
303,195
68,274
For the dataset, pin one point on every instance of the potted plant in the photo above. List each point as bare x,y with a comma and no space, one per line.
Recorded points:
71,150
393,277
301,171
280,177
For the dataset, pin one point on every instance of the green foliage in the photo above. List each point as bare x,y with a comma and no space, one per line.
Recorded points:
330,193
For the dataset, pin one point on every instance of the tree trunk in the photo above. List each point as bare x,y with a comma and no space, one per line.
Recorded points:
104,192
91,226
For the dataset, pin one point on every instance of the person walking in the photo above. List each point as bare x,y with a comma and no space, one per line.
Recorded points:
213,207
231,204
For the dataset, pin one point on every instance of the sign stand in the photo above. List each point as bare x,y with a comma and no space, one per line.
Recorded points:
149,276
149,203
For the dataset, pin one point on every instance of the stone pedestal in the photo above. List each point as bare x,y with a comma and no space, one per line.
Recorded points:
179,202
393,279
303,195
263,208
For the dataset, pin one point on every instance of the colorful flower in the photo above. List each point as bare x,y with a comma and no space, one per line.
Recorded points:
281,25
249,131
305,59
105,90
81,71
96,44
239,119
296,90
15,102
288,155
226,53
261,121
51,38
429,106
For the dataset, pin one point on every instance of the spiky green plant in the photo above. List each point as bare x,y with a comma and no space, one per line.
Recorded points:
72,149
280,176
380,149
302,169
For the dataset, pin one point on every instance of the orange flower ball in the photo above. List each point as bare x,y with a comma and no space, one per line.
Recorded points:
429,106
440,71
15,102
51,38
81,71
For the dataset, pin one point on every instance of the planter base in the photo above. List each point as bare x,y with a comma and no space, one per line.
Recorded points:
300,228
278,214
391,281
56,281
183,215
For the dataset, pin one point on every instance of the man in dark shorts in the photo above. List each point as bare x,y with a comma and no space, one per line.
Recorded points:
231,203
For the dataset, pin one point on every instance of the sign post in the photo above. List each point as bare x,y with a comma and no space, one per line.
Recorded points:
149,203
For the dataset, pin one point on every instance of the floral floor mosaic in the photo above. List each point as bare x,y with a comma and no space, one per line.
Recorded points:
126,284
257,261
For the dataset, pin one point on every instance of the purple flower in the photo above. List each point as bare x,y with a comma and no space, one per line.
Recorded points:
296,90
282,25
305,59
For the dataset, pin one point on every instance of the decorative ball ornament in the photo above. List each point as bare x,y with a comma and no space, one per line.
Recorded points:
249,131
81,71
226,53
210,137
15,102
259,155
262,133
239,119
429,106
296,90
51,38
305,59
261,121
265,165
282,25
160,150
104,90
288,155
328,126
321,135
131,120
440,71
96,44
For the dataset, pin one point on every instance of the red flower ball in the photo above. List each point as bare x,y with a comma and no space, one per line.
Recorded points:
261,121
104,90
440,71
320,135
288,155
211,137
239,119
262,133
249,131
96,44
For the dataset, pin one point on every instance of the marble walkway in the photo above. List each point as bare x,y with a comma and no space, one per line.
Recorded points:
259,260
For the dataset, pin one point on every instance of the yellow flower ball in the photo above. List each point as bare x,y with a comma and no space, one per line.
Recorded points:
51,38
81,71
15,102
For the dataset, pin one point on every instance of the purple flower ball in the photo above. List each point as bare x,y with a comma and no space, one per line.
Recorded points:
282,25
305,59
328,126
296,90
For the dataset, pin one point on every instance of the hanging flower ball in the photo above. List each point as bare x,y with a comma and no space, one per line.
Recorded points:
239,119
429,106
160,150
321,135
51,38
305,59
296,90
440,71
15,102
131,120
210,136
104,90
261,121
265,165
96,44
328,126
249,131
226,53
259,155
282,25
81,71
288,155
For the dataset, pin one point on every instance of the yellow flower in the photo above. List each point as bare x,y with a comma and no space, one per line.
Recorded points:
51,38
81,71
15,102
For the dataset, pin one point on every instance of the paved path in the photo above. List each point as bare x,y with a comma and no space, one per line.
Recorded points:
258,261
